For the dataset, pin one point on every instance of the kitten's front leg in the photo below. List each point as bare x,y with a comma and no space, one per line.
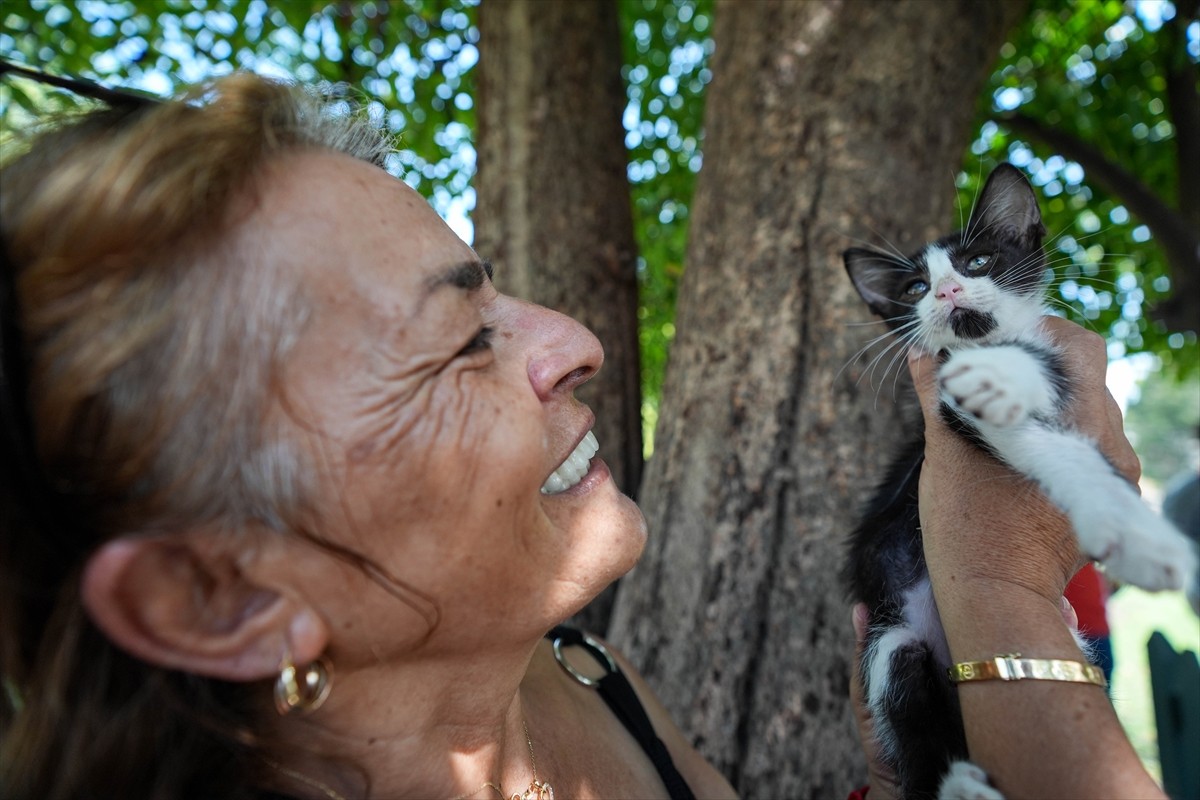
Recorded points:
1001,385
1114,525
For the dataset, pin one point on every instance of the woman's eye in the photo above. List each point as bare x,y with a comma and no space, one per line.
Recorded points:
481,341
917,288
978,262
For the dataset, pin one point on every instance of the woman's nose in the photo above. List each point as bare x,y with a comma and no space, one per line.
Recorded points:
563,355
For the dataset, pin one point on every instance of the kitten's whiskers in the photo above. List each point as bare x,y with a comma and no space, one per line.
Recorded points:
895,347
962,239
895,251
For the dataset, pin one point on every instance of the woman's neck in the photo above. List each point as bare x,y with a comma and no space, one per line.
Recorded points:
423,727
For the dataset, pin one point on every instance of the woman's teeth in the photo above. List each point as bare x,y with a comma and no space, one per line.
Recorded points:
571,471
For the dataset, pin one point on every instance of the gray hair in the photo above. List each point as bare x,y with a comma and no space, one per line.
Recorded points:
156,340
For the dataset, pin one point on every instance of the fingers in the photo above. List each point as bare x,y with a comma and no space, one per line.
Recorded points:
860,625
1114,444
881,778
862,715
1095,412
923,368
1029,543
859,618
1072,336
940,442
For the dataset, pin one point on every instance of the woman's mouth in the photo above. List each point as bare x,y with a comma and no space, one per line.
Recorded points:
571,471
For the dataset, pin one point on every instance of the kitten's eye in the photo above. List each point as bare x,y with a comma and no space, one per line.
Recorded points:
481,341
917,288
978,262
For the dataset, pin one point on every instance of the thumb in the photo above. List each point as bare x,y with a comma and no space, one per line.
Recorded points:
859,619
923,368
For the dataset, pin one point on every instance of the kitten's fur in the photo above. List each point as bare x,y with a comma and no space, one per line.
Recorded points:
975,297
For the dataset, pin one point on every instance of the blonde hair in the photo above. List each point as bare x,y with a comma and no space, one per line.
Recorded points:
153,347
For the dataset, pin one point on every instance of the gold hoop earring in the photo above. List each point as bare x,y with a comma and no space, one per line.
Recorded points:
302,690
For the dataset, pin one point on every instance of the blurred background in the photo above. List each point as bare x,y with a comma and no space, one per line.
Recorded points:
1096,100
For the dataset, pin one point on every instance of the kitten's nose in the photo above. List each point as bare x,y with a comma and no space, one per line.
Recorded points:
947,291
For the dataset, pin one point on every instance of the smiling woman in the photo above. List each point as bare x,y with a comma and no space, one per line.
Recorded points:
292,452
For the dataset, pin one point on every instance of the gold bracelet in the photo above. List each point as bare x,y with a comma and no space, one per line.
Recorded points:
1014,668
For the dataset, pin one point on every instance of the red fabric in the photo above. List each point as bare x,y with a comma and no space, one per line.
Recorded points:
1088,592
859,794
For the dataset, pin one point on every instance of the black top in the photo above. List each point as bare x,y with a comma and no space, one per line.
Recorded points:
617,692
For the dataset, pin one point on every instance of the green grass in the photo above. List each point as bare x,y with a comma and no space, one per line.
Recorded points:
1133,615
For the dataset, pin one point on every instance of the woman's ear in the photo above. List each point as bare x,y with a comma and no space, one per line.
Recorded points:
183,602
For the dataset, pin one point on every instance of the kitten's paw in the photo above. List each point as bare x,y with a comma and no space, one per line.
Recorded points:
1001,386
965,781
1135,545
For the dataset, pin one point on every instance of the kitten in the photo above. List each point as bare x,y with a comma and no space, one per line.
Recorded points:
976,298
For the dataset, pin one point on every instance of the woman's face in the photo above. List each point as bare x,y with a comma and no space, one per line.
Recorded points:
435,410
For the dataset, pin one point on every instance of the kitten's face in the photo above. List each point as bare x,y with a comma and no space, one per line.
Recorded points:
987,291
981,284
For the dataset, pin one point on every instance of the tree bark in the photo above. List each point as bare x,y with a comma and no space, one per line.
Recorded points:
553,205
827,124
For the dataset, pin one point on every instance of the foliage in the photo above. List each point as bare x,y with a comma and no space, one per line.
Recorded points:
1093,70
1164,427
410,62
407,61
667,47
1090,67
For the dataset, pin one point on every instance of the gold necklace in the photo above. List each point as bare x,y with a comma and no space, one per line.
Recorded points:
538,790
324,788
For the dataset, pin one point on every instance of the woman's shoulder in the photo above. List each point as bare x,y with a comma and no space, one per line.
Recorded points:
585,659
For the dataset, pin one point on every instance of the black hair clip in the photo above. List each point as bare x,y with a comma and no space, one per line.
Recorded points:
114,97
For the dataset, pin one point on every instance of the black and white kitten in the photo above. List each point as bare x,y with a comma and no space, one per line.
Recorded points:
976,298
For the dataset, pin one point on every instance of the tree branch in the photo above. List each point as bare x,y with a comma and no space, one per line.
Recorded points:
1179,240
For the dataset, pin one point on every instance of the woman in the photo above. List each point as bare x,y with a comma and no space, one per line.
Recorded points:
294,495
289,427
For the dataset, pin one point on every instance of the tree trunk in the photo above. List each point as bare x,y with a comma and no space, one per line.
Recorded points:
553,210
827,124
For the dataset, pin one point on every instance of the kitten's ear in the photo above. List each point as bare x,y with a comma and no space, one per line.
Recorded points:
874,275
1008,206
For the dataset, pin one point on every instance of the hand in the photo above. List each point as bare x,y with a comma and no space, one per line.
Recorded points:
879,776
1094,411
983,522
